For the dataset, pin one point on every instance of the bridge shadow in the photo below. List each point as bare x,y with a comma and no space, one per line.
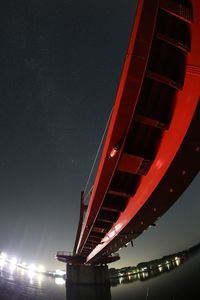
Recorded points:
91,292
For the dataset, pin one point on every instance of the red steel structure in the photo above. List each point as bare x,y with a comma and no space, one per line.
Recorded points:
151,151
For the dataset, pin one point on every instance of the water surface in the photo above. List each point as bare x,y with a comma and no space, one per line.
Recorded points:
172,283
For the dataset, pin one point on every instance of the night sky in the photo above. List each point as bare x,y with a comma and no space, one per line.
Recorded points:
61,62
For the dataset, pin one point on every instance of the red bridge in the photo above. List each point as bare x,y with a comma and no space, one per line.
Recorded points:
151,151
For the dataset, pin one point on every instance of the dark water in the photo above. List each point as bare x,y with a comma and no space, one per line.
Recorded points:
171,283
179,283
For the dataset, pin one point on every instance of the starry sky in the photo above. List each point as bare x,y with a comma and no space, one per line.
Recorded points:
61,62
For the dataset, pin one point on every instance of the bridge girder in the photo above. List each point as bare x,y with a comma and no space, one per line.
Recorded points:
151,151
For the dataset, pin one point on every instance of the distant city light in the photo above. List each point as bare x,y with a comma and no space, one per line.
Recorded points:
160,268
23,265
41,269
177,261
59,281
13,261
2,263
60,272
3,255
32,270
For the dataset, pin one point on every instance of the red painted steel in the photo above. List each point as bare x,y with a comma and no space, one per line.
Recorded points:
113,156
120,120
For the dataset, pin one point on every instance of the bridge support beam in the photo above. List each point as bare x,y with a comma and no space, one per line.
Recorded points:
87,275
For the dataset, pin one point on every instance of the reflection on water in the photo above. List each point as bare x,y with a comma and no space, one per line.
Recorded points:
156,268
20,284
176,278
172,277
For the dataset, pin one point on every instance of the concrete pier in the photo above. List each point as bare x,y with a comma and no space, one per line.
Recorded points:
87,275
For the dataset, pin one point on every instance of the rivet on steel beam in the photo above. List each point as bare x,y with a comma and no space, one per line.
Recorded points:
114,151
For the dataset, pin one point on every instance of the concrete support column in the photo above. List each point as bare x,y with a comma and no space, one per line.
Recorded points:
87,275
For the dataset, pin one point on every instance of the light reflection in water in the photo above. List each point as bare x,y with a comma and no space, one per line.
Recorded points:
160,268
22,272
31,275
59,281
19,282
149,271
38,283
177,261
40,278
11,268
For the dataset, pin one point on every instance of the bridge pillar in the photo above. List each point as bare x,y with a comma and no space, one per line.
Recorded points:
87,275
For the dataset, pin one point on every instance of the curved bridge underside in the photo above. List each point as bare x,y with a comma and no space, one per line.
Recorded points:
151,152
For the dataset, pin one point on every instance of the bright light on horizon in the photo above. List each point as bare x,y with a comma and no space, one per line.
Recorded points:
60,272
23,264
32,267
4,255
13,261
41,269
